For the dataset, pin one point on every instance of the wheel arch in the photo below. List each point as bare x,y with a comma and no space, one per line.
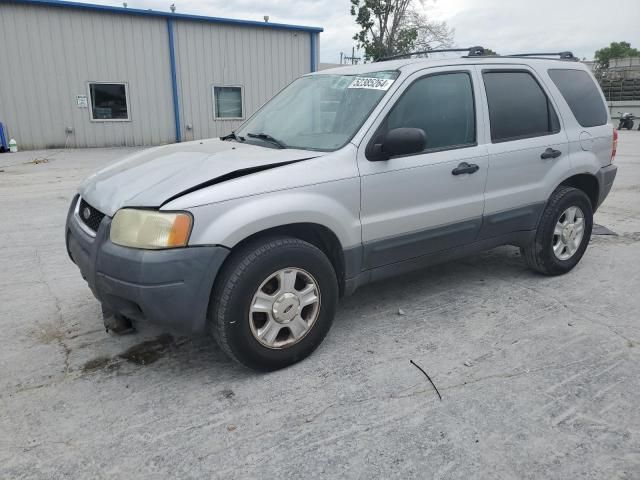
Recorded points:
316,234
586,182
326,216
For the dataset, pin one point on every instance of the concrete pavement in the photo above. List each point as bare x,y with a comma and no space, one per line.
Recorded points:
539,376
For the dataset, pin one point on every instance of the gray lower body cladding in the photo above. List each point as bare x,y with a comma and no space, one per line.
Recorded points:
164,287
605,177
401,247
400,254
433,240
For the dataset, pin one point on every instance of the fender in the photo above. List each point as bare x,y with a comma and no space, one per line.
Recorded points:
334,205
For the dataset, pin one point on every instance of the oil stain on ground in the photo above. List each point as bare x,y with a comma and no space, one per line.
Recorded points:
99,363
144,353
150,351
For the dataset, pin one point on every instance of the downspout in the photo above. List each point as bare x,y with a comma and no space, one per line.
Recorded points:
314,51
174,80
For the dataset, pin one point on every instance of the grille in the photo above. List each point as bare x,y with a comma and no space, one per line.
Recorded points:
93,219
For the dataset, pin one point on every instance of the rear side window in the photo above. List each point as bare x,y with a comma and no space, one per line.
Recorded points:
442,105
518,107
582,95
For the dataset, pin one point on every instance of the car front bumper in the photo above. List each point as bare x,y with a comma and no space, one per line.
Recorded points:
169,287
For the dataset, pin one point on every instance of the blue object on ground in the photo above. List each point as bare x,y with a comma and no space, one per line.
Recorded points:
3,140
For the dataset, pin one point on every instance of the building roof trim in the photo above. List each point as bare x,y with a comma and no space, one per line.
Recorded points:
156,13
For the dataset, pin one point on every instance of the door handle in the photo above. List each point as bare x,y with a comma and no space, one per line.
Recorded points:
550,153
465,167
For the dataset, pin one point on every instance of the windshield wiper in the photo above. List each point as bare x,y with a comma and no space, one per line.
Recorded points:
267,138
233,136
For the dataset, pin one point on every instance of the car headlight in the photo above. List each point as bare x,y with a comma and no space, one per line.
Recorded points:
150,229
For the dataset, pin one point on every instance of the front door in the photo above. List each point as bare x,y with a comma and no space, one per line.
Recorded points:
423,203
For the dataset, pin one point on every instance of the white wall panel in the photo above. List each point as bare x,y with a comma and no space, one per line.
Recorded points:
55,52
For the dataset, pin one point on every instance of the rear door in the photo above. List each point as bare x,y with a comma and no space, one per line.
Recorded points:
416,204
528,148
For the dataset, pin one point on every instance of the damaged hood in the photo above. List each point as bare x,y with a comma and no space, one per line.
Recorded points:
152,177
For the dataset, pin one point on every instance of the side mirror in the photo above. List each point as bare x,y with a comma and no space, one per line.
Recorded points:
396,142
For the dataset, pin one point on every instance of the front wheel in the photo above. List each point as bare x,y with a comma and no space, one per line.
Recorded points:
563,233
273,303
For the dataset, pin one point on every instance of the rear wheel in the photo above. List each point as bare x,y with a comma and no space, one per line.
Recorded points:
563,233
274,302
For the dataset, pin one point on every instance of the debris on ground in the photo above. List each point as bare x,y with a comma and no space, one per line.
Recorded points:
428,377
401,312
38,161
231,428
228,393
468,363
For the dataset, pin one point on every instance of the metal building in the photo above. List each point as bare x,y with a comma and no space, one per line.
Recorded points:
81,75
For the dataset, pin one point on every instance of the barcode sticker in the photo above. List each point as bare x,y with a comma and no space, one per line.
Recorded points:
371,83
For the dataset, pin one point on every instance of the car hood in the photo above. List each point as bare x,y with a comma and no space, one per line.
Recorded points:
152,177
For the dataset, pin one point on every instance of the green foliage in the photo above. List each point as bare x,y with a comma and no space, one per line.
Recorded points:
393,27
615,50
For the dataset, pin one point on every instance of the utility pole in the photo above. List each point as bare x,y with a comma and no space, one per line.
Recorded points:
353,60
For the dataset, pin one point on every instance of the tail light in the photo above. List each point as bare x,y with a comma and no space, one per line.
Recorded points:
614,147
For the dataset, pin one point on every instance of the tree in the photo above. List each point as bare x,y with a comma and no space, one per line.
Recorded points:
393,27
615,50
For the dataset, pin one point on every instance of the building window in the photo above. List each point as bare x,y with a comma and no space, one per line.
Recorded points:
109,102
227,103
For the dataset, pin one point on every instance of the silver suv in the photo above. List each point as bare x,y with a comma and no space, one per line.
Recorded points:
346,177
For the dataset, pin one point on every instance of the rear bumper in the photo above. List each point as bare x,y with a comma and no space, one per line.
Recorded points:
164,287
606,176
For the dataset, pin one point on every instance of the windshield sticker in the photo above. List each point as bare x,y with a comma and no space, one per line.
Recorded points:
371,83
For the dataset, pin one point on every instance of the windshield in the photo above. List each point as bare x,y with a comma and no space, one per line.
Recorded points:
318,112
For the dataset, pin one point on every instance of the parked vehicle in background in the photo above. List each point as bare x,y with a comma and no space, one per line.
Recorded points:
346,177
626,121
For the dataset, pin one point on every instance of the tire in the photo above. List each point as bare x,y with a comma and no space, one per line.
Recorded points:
540,255
235,325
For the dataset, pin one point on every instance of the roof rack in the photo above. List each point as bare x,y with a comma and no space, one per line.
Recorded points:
562,55
472,52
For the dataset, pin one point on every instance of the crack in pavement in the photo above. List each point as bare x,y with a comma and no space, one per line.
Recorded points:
60,336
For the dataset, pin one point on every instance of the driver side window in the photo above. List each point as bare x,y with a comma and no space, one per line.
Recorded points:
443,106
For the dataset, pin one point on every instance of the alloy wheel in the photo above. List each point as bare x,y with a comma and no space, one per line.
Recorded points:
568,233
284,308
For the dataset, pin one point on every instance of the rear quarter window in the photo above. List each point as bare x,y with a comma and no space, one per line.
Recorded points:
582,95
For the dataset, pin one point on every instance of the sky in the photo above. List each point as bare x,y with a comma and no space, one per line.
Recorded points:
506,26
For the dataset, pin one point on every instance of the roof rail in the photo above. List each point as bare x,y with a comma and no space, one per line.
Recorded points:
562,55
472,52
